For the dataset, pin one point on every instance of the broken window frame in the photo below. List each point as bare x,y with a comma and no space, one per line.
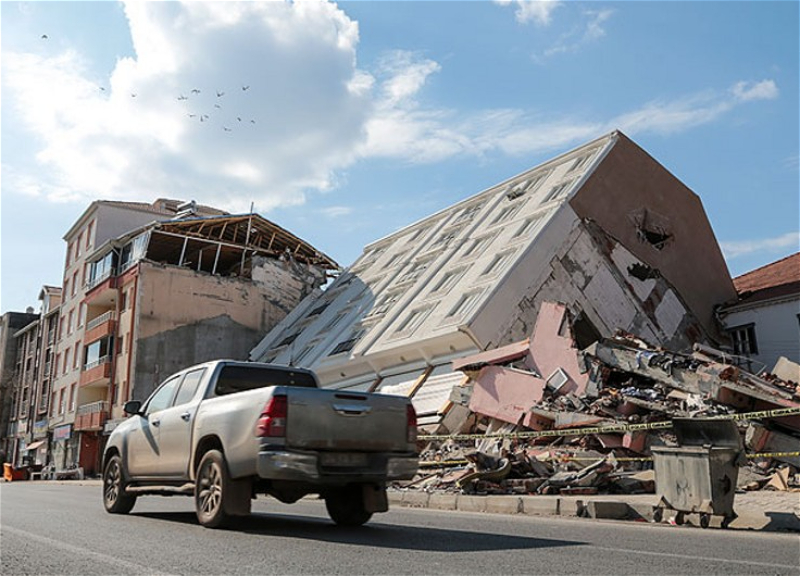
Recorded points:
468,213
348,343
507,213
743,338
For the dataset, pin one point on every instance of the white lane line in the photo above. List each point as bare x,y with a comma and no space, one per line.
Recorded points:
702,558
132,566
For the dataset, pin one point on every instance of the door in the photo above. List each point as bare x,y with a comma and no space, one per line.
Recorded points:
177,423
143,439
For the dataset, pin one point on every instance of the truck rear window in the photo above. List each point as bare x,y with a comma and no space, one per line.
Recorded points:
237,378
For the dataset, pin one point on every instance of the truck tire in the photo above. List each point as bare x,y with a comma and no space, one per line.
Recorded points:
115,500
346,506
211,490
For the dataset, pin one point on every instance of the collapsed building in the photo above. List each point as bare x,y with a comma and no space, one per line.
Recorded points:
590,425
603,228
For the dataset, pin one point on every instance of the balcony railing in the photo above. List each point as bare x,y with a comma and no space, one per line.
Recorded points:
91,416
100,361
95,322
97,372
99,279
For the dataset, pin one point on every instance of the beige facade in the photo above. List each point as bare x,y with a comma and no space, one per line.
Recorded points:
580,229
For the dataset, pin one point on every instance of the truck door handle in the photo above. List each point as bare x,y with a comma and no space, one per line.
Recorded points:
352,409
185,416
156,423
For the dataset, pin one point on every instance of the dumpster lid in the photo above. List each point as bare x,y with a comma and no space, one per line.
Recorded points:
707,431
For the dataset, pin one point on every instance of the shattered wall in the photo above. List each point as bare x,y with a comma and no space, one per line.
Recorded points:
662,223
604,286
185,317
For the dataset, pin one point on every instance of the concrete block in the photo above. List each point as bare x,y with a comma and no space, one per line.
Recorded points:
540,505
570,507
468,503
395,497
609,509
440,501
503,504
416,499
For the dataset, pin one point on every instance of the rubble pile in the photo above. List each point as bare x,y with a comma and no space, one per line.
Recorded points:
542,417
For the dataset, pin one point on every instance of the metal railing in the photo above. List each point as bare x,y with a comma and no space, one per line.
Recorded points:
93,408
102,360
95,322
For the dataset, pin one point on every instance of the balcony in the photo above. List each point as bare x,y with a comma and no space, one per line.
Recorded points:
91,416
102,291
97,373
103,325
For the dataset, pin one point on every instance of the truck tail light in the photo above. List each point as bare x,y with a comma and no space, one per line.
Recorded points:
272,422
411,422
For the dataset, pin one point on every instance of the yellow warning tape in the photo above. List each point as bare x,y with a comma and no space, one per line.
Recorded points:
446,463
777,413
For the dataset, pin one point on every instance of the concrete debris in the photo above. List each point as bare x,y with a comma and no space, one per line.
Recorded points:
522,402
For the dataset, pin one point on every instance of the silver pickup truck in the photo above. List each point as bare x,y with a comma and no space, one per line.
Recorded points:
225,431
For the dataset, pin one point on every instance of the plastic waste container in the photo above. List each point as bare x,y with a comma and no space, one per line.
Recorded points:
699,475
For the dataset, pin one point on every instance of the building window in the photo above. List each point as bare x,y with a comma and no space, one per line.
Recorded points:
319,309
65,368
448,280
580,162
53,405
477,246
468,213
81,315
77,356
345,345
288,340
416,270
530,227
89,230
506,214
384,303
414,320
72,398
558,191
744,340
78,245
66,288
465,304
499,262
61,405
71,322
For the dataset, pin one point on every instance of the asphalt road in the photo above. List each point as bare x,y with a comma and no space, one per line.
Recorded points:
48,528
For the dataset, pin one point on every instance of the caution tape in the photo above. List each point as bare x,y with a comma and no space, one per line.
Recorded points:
665,425
446,463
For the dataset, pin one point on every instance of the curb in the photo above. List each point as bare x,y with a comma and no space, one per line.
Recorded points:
575,507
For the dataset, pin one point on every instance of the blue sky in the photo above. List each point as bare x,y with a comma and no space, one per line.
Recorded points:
362,117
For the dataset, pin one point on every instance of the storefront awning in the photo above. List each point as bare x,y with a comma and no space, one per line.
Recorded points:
34,445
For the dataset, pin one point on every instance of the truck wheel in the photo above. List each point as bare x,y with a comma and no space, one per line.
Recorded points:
115,500
211,490
346,506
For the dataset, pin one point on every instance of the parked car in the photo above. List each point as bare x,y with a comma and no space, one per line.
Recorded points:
225,431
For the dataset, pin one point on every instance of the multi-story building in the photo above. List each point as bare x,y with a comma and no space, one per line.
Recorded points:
10,368
604,229
764,321
168,294
102,221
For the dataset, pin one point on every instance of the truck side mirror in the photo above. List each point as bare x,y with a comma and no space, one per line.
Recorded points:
132,407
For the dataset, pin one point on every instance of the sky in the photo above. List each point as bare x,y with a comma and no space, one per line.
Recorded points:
343,122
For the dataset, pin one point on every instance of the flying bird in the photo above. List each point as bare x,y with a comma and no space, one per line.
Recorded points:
44,36
133,95
195,91
101,88
252,121
226,129
217,106
245,88
220,94
238,118
192,115
182,97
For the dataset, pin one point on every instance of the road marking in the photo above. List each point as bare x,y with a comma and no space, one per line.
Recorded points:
132,566
703,558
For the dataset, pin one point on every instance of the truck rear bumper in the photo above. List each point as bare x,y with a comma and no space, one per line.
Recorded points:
306,467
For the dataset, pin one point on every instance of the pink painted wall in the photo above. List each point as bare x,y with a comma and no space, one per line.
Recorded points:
505,393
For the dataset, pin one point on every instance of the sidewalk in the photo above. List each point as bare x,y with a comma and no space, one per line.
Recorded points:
762,510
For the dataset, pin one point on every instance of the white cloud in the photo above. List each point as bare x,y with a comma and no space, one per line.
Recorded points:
263,101
537,11
336,211
575,39
300,119
747,91
747,247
